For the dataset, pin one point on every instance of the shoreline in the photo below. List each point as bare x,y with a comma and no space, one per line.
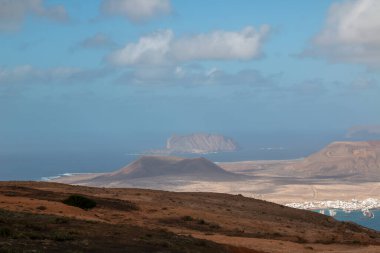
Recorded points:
65,175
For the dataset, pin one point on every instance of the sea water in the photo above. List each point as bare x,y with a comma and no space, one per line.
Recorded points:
357,217
106,158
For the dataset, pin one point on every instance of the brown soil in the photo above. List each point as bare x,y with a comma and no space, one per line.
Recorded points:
156,221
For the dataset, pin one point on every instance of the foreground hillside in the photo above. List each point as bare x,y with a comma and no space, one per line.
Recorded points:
33,217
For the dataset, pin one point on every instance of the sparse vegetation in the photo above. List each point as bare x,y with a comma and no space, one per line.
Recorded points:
187,218
80,201
62,236
5,232
192,223
201,222
61,220
116,223
42,208
22,232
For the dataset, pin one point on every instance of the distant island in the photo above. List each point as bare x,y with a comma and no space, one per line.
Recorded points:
152,168
364,132
329,178
198,143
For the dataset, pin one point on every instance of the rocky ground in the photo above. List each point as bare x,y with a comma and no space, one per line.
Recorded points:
33,217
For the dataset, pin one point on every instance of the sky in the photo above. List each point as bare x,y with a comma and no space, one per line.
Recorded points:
80,75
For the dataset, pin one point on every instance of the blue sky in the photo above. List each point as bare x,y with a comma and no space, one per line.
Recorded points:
76,74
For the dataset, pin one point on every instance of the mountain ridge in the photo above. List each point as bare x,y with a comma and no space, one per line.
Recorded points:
343,159
168,166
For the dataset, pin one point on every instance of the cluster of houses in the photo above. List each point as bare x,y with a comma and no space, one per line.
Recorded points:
365,206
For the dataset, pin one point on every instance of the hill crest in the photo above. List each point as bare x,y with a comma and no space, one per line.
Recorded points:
343,159
169,166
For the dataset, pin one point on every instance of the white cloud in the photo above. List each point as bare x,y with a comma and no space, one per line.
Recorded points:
14,12
136,10
221,45
351,33
152,49
162,47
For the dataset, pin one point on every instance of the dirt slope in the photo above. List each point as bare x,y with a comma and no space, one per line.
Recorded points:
156,218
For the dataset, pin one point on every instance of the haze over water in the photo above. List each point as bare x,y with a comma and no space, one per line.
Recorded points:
34,166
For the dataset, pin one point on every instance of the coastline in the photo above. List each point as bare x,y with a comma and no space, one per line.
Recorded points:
348,206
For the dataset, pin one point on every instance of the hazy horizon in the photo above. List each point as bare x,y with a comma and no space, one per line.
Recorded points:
112,155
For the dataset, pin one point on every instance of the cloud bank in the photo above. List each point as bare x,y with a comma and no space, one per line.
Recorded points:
351,34
14,12
163,47
97,41
135,10
195,76
27,74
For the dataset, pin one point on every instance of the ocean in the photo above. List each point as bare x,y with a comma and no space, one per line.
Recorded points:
359,218
37,164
